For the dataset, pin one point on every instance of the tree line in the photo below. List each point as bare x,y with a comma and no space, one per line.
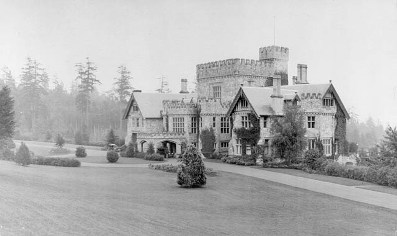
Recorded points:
44,108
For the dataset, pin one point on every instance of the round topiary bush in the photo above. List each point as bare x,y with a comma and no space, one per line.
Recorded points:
23,157
112,156
80,152
310,158
190,172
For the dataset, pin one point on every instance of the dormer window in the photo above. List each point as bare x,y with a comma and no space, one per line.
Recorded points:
328,100
134,107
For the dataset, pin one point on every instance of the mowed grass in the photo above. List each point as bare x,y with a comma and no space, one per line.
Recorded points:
93,156
45,200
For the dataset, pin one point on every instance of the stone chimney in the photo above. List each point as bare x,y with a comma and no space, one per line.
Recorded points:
183,86
277,98
302,74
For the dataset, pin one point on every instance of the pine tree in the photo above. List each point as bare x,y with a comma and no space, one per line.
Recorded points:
87,81
34,84
7,116
122,84
111,138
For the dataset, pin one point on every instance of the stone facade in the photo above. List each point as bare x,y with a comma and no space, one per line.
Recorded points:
179,121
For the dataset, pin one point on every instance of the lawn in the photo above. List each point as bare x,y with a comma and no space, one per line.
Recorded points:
45,200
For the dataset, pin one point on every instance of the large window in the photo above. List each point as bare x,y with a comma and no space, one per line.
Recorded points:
225,125
224,144
311,122
217,91
238,146
327,146
194,125
178,124
312,144
245,122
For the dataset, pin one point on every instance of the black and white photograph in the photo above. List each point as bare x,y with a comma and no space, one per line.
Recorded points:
198,117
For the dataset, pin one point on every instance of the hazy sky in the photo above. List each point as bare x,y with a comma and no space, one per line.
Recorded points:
352,43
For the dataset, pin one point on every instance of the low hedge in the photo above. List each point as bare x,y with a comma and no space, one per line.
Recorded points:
154,157
59,151
239,160
173,169
56,161
382,175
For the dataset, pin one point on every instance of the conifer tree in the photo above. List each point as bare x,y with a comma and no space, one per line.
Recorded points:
22,156
122,84
7,122
111,138
87,81
34,84
190,172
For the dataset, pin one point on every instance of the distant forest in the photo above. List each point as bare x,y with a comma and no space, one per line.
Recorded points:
45,108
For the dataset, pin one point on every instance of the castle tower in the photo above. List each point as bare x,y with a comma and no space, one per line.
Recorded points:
278,57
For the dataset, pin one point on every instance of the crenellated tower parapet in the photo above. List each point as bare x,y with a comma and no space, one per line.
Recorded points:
180,107
233,67
213,107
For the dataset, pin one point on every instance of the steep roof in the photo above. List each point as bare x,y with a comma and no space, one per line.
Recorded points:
323,89
260,100
150,104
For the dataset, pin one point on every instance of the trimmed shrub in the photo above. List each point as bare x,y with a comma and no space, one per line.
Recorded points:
310,158
140,155
23,156
80,152
239,160
333,169
112,156
56,161
154,157
215,155
371,175
190,172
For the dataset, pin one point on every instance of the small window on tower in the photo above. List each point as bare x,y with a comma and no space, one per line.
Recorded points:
217,91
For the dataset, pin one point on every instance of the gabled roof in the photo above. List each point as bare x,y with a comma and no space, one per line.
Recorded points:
323,89
150,104
260,100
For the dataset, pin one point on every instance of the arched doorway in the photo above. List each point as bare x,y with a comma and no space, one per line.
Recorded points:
142,147
169,146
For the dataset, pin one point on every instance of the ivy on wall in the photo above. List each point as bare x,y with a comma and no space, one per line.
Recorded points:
249,136
207,137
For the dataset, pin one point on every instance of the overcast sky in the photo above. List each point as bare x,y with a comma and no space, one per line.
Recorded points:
352,43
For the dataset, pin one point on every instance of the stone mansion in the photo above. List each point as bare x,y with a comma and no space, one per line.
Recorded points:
227,91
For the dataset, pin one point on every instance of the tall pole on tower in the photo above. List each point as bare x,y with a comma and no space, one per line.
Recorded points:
274,30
